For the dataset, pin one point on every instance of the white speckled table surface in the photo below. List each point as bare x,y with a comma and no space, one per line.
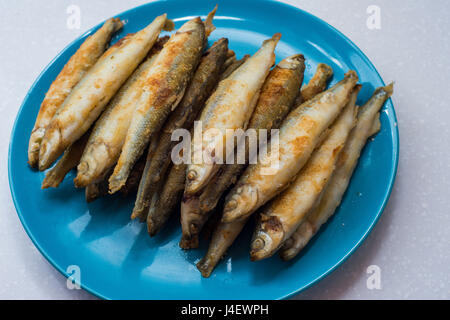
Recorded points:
411,242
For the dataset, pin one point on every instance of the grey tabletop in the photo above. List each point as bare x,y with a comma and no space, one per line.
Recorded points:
407,256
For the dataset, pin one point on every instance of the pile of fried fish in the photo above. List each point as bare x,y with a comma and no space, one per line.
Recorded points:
111,113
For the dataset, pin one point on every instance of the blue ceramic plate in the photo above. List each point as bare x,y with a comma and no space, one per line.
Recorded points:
116,257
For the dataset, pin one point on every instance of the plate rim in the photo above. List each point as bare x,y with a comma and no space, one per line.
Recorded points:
394,130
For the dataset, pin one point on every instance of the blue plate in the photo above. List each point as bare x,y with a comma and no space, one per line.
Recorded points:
118,260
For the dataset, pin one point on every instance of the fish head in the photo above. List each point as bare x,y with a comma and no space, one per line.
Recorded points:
292,246
267,238
91,168
197,177
289,252
35,144
191,217
240,204
206,266
51,147
189,242
191,222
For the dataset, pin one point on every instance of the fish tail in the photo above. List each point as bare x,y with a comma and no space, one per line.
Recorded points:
209,27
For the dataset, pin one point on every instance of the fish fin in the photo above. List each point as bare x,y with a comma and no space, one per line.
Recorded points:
389,88
231,53
326,69
209,27
118,24
169,25
375,126
276,37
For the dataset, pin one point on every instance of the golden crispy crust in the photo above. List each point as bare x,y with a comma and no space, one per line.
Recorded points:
162,91
230,107
277,96
85,57
290,208
299,135
109,132
91,95
367,123
203,82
